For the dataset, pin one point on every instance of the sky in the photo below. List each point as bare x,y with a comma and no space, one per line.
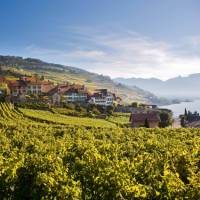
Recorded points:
118,38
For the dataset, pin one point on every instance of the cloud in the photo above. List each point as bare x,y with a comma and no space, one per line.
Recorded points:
194,40
125,54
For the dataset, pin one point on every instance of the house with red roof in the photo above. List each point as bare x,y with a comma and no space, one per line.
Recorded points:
29,85
68,93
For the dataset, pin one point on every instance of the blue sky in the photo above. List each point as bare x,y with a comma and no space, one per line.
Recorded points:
129,38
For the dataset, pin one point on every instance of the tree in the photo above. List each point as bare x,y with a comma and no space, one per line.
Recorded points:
189,116
110,110
182,120
101,108
78,107
146,123
186,113
166,119
135,104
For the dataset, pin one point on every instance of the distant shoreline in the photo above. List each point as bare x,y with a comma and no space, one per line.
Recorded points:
179,102
179,108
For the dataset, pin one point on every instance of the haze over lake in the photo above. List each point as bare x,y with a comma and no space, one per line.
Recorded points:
179,109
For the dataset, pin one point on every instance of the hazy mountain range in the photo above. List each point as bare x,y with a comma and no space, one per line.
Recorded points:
17,66
178,87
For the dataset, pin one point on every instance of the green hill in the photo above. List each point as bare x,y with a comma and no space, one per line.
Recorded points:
17,66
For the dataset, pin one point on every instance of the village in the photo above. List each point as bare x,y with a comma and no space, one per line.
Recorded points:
36,90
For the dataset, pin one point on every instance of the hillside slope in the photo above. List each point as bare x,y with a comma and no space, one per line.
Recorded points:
59,73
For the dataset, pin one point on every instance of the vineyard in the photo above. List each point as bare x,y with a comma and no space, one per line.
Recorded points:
52,156
65,120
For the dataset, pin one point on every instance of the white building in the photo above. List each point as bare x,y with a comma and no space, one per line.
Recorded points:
75,96
68,94
103,98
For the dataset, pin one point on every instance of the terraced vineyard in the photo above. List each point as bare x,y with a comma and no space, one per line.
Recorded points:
65,120
119,118
41,159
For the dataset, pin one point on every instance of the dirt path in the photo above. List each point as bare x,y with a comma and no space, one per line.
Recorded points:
176,123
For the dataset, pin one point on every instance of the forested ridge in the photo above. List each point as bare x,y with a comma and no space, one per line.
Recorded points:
46,160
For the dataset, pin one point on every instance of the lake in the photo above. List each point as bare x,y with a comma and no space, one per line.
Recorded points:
179,109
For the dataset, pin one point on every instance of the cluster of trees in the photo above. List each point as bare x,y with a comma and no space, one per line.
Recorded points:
189,117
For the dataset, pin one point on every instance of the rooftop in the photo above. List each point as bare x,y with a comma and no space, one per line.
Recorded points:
141,117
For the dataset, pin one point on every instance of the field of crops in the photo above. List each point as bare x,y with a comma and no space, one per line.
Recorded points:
65,120
119,118
41,159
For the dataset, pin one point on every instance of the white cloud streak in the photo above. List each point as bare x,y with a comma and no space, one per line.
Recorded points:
126,54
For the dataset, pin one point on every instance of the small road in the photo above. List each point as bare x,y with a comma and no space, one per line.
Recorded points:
176,123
